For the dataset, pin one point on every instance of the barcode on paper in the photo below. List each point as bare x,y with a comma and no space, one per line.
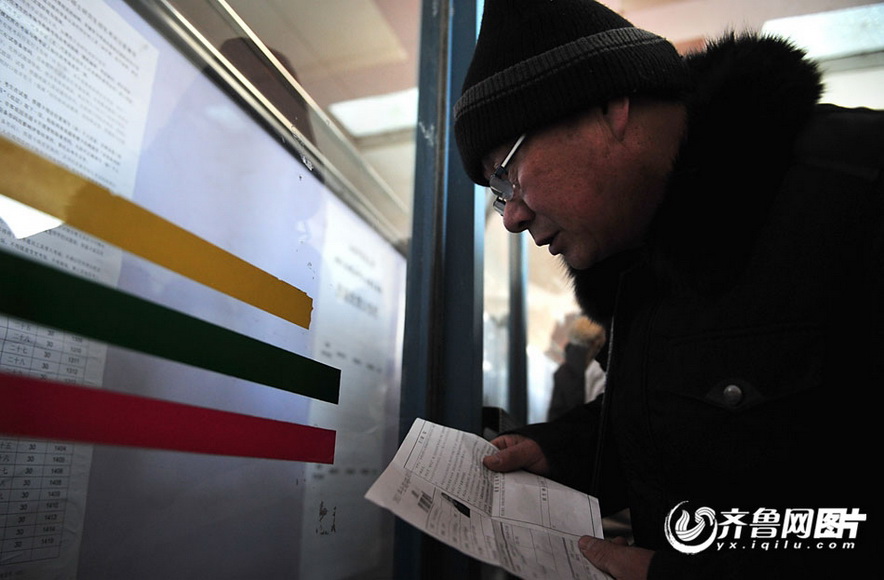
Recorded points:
425,502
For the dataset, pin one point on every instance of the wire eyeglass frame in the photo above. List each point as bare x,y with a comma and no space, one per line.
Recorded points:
501,187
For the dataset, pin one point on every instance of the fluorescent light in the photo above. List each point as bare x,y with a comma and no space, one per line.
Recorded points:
833,34
377,114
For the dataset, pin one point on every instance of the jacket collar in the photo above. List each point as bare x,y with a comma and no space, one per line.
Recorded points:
751,97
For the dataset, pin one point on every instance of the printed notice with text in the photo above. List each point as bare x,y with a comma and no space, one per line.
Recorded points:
519,521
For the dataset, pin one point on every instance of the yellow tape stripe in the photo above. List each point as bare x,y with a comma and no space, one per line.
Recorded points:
30,179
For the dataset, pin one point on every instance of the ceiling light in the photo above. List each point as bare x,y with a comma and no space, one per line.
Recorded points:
378,114
833,34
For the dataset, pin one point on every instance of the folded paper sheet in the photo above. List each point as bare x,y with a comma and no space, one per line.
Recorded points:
519,521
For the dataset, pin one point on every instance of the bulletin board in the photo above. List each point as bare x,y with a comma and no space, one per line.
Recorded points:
199,341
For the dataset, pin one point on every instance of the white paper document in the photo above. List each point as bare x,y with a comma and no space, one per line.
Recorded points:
524,523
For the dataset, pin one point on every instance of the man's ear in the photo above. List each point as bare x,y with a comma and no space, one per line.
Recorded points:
616,114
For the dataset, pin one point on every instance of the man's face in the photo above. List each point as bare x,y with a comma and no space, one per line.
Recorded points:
581,188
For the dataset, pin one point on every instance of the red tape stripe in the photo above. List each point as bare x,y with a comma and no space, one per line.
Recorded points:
49,410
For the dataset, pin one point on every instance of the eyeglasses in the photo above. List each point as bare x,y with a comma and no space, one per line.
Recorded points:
499,185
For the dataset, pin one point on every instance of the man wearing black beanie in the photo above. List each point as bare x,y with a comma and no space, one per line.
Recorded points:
727,230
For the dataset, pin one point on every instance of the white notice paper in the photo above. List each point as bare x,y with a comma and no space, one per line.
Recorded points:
76,87
519,521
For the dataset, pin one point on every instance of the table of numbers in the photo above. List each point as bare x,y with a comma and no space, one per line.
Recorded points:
36,475
43,353
34,478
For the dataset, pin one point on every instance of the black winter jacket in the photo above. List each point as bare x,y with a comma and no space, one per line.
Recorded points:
747,335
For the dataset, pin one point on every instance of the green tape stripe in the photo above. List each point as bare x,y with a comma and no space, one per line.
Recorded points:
53,298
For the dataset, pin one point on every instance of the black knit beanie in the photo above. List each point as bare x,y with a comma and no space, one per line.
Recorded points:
539,61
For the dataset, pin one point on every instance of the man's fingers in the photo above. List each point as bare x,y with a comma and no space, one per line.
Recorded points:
516,453
504,459
616,558
507,459
601,553
509,440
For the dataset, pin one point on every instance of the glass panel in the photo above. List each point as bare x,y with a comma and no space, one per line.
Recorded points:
550,309
224,330
294,56
496,314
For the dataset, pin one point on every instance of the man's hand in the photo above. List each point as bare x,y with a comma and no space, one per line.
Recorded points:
617,558
516,452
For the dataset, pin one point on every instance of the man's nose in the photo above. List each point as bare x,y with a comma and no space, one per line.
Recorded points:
517,216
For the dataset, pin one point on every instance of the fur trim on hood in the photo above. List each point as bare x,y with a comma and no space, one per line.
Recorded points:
751,97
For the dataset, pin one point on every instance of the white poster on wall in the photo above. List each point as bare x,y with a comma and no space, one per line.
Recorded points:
363,292
75,88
